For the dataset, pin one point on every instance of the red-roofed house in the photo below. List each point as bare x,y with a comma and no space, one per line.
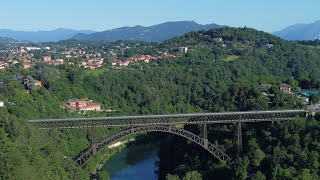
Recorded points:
91,107
82,105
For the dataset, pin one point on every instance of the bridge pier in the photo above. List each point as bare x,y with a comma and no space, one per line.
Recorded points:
93,140
239,139
205,136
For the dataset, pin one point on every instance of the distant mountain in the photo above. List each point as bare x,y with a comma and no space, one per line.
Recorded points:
300,32
156,33
6,40
42,36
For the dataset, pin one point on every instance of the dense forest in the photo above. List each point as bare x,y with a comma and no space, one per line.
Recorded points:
223,71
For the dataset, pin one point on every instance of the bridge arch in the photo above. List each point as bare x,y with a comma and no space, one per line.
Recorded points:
85,155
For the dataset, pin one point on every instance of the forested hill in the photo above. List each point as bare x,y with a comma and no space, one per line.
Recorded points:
222,71
251,52
4,40
156,33
285,150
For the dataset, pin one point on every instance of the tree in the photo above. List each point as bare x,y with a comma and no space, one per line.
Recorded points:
317,116
172,177
256,155
258,176
5,165
293,83
240,168
315,98
192,175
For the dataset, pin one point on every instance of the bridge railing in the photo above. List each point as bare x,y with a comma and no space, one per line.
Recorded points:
172,119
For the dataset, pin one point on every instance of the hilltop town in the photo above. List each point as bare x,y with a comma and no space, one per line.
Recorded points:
82,54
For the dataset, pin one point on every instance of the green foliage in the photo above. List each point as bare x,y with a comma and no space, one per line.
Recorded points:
315,98
258,176
241,170
192,175
199,81
256,155
172,177
27,153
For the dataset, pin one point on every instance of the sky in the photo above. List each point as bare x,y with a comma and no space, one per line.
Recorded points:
99,15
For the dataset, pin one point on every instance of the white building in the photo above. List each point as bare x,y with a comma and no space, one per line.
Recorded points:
32,48
183,49
1,104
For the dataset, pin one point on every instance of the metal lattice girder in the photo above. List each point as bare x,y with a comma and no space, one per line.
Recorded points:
171,119
85,155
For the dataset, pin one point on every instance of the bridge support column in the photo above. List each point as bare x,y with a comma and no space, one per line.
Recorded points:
239,139
205,135
93,139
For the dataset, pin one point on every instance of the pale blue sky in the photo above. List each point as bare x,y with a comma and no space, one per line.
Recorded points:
266,15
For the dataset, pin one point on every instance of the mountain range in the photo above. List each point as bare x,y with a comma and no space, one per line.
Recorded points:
7,40
41,36
156,33
300,32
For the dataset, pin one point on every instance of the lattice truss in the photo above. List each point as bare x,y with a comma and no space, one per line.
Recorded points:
84,156
163,123
155,120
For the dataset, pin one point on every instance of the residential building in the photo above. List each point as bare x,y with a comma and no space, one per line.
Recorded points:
46,58
83,105
91,107
3,65
269,46
217,40
183,50
285,87
1,104
32,48
37,84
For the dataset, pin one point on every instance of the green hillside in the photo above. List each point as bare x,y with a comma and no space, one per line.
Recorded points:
215,75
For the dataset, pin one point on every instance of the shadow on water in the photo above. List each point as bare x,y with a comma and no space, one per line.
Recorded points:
135,162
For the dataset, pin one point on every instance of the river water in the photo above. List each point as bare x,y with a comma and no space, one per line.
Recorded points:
136,162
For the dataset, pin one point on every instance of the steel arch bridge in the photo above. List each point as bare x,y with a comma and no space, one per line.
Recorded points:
84,156
165,123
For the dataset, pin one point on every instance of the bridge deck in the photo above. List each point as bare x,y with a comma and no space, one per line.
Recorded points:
147,120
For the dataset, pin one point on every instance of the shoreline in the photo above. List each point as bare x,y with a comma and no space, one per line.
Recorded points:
115,148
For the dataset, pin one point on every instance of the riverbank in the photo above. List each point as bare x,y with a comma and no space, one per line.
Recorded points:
118,146
137,143
135,162
95,164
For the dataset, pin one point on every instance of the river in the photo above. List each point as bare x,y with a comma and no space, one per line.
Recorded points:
135,162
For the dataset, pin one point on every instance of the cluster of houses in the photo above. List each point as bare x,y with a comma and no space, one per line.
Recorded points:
143,58
83,105
92,61
7,58
25,55
49,60
304,95
286,89
3,65
72,55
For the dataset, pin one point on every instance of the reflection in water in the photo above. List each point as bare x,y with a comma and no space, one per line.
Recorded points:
134,163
